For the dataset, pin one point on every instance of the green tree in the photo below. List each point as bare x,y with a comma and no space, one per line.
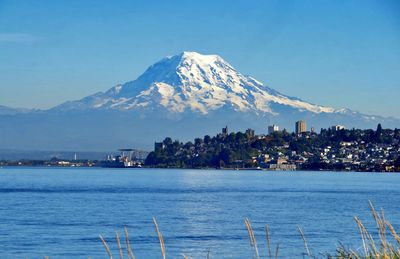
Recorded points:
227,156
151,159
207,139
198,142
167,141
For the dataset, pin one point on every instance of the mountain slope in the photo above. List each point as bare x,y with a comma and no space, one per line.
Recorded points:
183,96
192,82
5,110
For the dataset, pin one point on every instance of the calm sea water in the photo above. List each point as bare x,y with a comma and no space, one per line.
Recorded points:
61,212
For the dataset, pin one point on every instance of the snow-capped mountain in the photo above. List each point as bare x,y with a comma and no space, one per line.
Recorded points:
183,97
193,82
4,110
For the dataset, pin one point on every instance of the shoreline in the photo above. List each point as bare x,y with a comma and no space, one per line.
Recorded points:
199,169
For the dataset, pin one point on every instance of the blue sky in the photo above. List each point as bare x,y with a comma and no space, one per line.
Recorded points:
335,53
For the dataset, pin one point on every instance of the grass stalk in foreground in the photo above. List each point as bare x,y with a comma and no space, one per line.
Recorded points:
380,248
385,246
128,245
160,238
267,237
252,238
304,240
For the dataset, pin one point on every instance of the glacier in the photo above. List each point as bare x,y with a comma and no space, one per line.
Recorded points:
194,82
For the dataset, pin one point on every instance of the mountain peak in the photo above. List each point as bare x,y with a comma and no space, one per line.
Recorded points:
193,82
192,60
201,58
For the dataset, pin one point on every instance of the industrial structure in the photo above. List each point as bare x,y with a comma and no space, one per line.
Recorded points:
125,159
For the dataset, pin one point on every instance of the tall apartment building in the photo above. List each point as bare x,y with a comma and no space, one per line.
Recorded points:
301,127
250,133
337,127
273,128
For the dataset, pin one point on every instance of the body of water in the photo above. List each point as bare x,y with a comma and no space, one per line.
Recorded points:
61,212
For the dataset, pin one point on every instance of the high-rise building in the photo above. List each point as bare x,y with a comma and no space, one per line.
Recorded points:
250,133
225,130
337,127
273,128
301,127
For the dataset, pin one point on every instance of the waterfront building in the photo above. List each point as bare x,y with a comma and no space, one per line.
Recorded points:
281,164
273,128
301,127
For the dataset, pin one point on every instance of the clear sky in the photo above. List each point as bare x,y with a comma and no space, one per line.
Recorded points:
335,53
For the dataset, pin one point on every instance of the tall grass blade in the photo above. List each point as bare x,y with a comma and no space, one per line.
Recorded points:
267,237
209,253
277,251
393,232
160,238
253,242
106,246
128,245
305,241
121,256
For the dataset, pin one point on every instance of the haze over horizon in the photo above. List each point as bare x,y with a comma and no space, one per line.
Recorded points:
339,55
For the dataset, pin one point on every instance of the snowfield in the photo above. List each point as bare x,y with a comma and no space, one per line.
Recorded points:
193,82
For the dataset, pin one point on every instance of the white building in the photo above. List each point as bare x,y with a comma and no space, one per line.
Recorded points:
273,128
337,127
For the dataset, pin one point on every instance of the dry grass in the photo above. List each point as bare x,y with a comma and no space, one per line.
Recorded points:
128,245
379,248
160,239
252,238
106,246
119,245
120,250
268,239
385,246
304,240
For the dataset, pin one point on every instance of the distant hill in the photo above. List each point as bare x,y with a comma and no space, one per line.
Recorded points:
15,155
4,110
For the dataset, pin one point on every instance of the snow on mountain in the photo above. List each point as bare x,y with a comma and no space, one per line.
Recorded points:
5,110
183,97
192,82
